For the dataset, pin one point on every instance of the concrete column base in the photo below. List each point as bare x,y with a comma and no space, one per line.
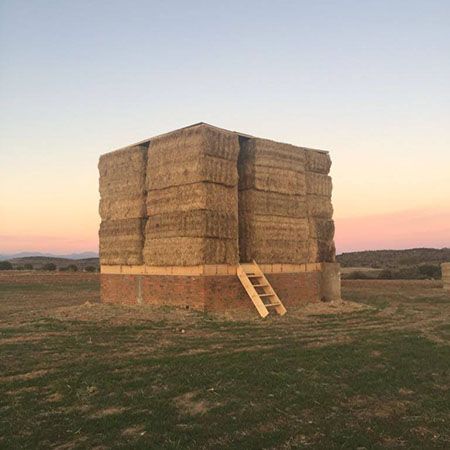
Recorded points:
331,282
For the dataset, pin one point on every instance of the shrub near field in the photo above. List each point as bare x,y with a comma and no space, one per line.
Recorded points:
78,374
422,272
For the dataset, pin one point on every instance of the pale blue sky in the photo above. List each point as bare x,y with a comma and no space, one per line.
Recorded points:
368,80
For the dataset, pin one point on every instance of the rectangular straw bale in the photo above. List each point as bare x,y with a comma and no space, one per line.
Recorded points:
272,227
191,143
123,162
122,207
125,227
122,173
189,251
318,184
121,241
318,161
271,179
319,206
266,251
121,187
204,168
272,203
321,229
195,223
211,196
264,152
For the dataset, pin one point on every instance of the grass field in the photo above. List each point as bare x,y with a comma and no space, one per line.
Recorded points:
77,374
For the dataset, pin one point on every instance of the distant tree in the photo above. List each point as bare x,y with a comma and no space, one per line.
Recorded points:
385,274
49,266
72,268
5,265
28,266
429,271
20,267
90,269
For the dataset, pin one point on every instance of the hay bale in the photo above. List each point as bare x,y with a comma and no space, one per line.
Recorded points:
319,206
273,238
445,269
123,186
121,241
195,223
192,143
267,251
189,251
205,168
318,161
122,183
263,152
321,229
123,171
271,179
272,227
272,203
211,196
122,207
318,184
131,160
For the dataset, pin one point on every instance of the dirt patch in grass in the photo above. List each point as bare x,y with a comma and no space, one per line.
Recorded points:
24,376
106,412
189,404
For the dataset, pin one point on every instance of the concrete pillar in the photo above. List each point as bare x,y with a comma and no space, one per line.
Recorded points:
445,267
331,282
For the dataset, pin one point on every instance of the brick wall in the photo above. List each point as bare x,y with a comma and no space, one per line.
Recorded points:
205,293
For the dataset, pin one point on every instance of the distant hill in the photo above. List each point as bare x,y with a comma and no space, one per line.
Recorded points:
83,255
394,258
39,261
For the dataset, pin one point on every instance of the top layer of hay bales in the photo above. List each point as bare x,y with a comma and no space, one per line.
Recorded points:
191,143
263,152
192,155
318,161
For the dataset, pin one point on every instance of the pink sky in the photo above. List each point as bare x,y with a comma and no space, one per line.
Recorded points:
406,229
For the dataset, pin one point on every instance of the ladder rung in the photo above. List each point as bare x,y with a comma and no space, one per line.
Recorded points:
254,276
260,285
272,305
266,295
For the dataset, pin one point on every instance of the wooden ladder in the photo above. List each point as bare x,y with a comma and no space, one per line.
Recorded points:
259,289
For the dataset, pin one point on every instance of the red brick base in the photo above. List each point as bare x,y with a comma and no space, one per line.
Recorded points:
218,294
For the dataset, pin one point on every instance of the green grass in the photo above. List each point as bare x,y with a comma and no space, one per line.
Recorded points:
222,384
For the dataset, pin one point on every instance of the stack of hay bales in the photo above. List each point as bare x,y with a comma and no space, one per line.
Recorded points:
445,267
192,198
320,209
273,217
122,205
